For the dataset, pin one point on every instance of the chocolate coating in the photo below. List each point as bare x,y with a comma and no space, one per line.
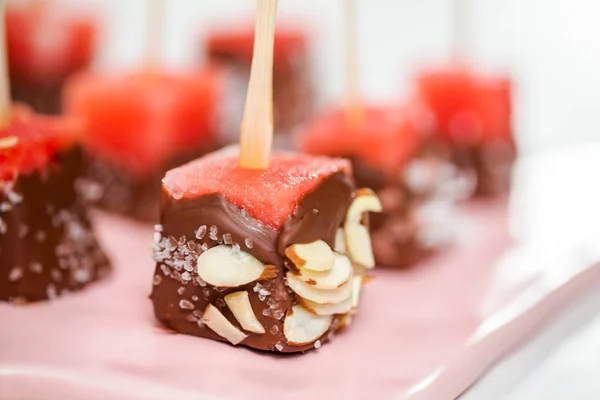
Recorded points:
491,163
47,246
179,296
43,97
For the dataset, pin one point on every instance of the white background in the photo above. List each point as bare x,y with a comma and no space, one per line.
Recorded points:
550,47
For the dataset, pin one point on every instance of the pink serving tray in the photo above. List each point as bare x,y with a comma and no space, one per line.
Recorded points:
427,333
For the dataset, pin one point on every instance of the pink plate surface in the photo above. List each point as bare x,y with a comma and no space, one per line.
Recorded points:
427,333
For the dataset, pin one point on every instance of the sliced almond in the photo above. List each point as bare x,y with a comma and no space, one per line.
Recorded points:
239,304
357,281
358,243
302,327
320,296
340,241
365,201
316,256
224,267
358,240
329,308
215,320
334,278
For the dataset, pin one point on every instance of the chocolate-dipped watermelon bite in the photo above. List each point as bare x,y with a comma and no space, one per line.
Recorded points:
416,186
271,259
136,127
47,246
473,123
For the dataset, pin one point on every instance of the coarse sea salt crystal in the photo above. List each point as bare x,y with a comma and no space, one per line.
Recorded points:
200,232
36,267
186,304
191,318
51,291
56,275
15,274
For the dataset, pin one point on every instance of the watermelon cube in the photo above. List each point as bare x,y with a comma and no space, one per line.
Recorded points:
136,126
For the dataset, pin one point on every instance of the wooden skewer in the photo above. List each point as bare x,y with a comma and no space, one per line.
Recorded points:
353,99
460,30
257,126
154,35
4,81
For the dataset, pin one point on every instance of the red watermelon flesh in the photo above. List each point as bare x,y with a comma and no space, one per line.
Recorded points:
44,44
468,108
269,196
38,140
142,120
385,138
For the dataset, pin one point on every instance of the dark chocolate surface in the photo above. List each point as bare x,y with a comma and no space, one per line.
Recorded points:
43,97
490,163
179,296
47,246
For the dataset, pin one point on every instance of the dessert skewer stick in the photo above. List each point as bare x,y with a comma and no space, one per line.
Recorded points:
461,35
4,81
257,125
353,103
154,35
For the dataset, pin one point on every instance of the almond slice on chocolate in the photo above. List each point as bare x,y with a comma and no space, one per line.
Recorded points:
239,304
357,281
302,327
223,266
358,240
321,296
365,201
215,320
329,308
340,241
358,243
334,278
316,256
